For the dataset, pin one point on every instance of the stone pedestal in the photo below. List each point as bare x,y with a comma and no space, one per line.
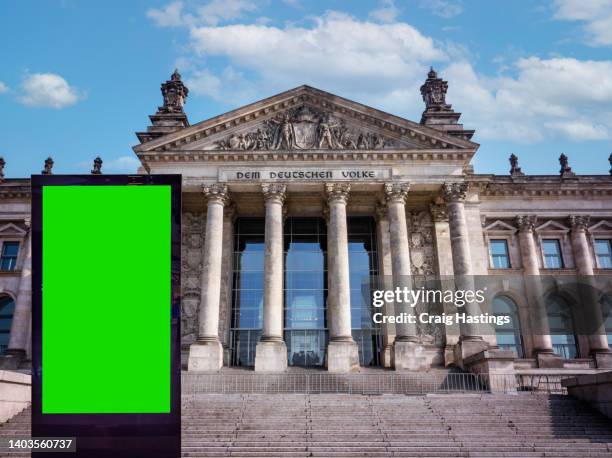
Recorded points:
603,359
270,356
467,347
386,356
409,356
342,357
549,360
496,367
12,359
205,356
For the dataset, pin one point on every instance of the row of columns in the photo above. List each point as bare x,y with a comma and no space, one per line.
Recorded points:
342,355
542,341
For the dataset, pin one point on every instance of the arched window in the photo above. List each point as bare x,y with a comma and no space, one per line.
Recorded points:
508,335
606,312
561,326
7,307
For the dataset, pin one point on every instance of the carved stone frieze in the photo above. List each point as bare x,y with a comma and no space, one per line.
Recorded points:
191,271
304,128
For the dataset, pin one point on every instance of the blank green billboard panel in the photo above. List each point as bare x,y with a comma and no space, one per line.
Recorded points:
106,290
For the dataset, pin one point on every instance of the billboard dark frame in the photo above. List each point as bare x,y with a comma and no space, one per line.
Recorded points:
116,435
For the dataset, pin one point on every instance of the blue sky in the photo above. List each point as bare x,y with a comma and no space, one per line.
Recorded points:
533,77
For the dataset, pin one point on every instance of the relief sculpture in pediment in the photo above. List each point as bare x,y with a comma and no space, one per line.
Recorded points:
304,128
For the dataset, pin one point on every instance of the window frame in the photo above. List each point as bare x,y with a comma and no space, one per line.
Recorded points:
492,257
558,242
597,260
17,264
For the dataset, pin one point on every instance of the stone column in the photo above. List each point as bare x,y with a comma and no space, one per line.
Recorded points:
591,321
342,353
386,281
470,342
22,317
408,353
538,315
439,215
271,351
206,353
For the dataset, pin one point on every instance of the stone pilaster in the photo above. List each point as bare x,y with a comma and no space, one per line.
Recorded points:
386,281
206,354
408,353
20,326
470,342
439,215
592,320
342,353
538,316
271,351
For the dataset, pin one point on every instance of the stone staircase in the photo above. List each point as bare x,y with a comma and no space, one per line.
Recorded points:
344,425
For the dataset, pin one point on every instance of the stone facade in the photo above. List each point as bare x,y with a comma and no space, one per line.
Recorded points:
308,153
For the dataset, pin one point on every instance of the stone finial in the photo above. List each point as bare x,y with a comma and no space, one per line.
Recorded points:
434,91
566,170
274,191
396,192
526,223
610,161
579,222
216,192
48,166
97,166
337,191
455,192
439,212
2,164
515,170
174,93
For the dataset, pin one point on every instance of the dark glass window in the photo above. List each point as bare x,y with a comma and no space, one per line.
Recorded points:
603,250
7,308
247,291
508,335
305,291
606,312
552,254
498,249
561,324
8,260
363,267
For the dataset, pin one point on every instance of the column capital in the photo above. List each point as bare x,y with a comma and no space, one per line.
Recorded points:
526,223
439,213
337,191
216,192
454,192
579,222
274,192
27,222
396,192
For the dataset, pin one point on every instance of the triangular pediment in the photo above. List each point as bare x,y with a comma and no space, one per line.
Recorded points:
306,118
553,226
500,226
11,229
602,226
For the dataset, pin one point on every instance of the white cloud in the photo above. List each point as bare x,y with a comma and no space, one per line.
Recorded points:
595,14
3,87
388,12
122,164
47,90
548,98
211,13
337,51
443,8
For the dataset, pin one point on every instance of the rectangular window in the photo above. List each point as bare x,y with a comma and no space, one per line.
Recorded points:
498,249
8,260
552,254
603,250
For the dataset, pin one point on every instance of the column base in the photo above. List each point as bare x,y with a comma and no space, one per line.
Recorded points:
386,356
205,356
12,359
603,359
547,359
270,356
409,356
467,347
342,357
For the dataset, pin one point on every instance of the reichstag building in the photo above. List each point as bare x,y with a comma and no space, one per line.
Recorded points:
297,206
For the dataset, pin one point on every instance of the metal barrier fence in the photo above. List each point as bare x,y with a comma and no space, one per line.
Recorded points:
386,383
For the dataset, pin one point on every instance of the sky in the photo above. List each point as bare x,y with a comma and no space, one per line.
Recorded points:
532,77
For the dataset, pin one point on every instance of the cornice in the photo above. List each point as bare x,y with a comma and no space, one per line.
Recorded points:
541,186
